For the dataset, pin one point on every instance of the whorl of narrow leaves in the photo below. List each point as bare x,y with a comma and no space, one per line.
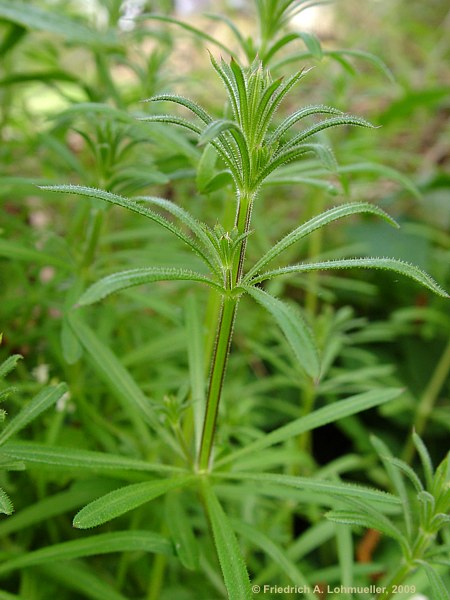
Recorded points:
244,143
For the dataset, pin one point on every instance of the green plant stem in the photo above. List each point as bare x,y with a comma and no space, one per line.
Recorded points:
218,367
428,400
224,336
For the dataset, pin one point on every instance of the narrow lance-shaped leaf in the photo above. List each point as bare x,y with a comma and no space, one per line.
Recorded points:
75,458
196,360
380,170
183,215
6,506
404,468
302,114
126,279
82,580
385,454
130,205
278,96
182,101
216,128
318,418
9,364
135,403
241,86
230,557
438,586
123,500
352,517
198,33
313,44
57,504
388,264
322,125
172,120
333,488
18,251
372,58
104,543
34,408
180,529
278,556
297,332
39,19
425,459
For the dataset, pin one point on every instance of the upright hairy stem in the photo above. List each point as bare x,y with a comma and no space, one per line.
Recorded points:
224,334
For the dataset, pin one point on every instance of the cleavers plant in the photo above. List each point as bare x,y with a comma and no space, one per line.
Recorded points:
250,147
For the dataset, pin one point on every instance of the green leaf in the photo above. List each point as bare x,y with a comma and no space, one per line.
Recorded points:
298,115
217,128
172,120
120,501
329,216
233,28
352,517
191,222
39,19
206,168
182,101
19,251
82,580
297,332
6,506
219,181
41,76
196,360
9,364
130,205
126,279
230,557
33,409
198,33
74,458
380,170
388,264
344,544
372,58
322,125
318,418
12,38
180,529
89,109
278,556
104,543
333,488
122,385
425,459
385,455
437,584
313,44
58,504
408,472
